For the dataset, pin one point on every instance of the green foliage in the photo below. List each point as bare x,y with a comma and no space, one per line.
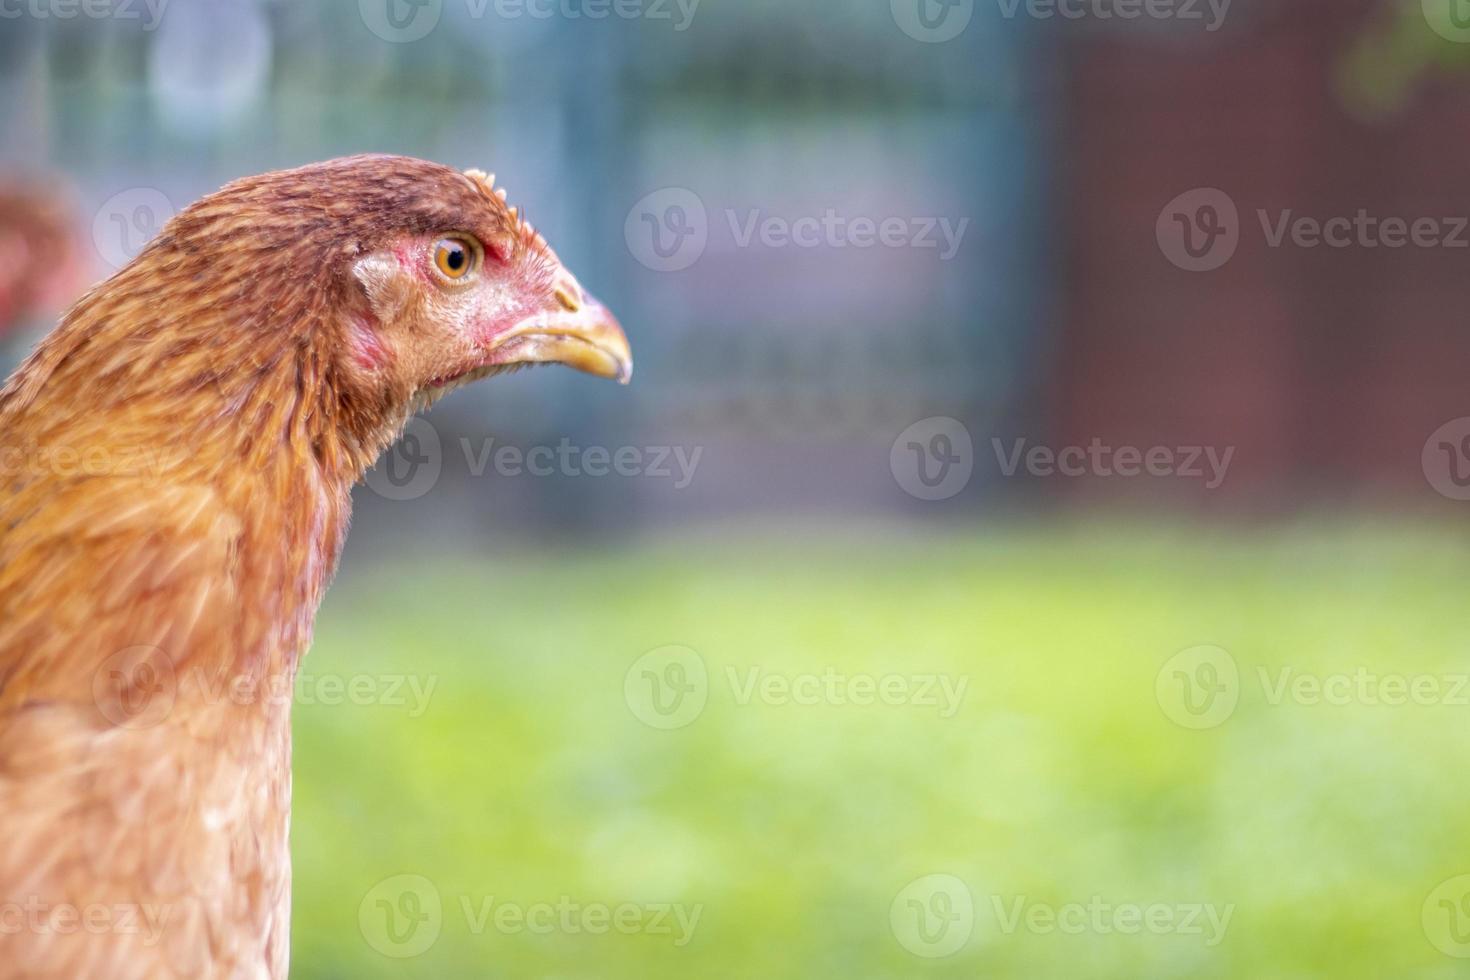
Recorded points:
1408,45
793,827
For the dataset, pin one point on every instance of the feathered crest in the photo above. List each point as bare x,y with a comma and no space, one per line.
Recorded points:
529,236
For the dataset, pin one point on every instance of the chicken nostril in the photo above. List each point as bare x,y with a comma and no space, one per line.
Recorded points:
567,300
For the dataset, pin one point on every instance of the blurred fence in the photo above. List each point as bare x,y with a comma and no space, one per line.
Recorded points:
675,158
824,224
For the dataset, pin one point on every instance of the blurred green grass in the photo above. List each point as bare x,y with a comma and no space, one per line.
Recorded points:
528,778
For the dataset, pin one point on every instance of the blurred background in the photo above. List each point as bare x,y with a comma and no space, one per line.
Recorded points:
1030,543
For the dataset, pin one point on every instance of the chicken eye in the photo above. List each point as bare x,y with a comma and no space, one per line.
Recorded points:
454,257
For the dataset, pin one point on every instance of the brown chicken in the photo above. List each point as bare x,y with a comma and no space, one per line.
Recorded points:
175,467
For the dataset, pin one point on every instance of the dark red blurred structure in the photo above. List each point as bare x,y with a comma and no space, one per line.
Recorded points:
1327,368
42,270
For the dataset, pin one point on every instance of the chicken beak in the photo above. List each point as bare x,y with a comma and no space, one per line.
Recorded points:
575,329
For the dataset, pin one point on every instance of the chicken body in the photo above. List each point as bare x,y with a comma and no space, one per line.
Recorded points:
176,461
